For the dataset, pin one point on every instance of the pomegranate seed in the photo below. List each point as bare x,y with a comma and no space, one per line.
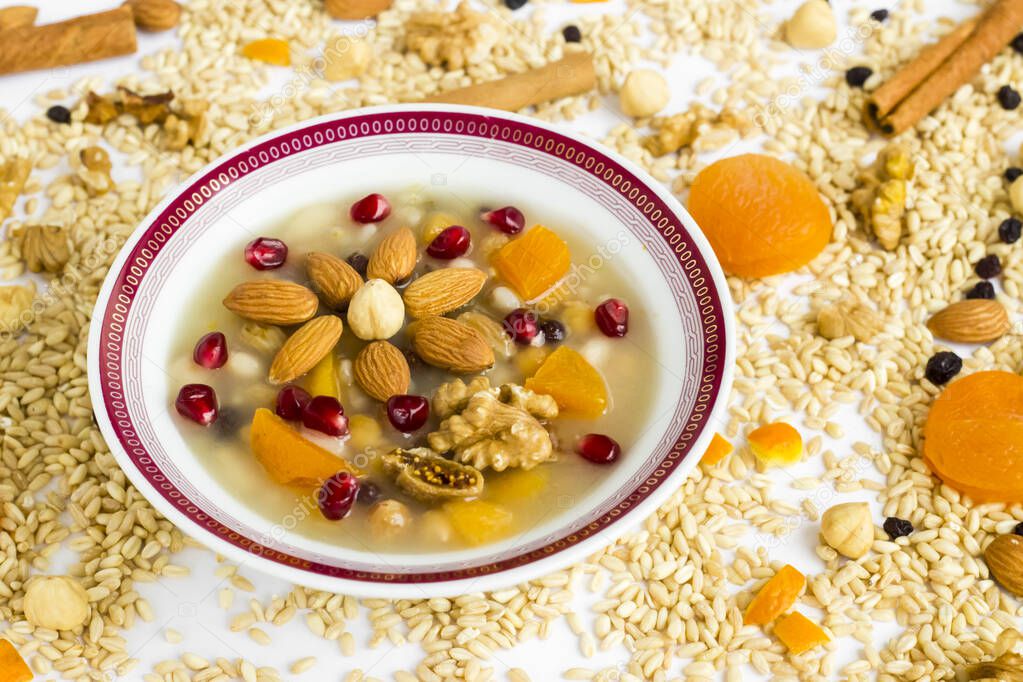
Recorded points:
407,413
197,402
451,243
522,326
598,448
372,208
325,414
337,495
211,351
612,316
266,253
508,219
291,403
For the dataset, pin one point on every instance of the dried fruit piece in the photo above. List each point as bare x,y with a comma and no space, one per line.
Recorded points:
799,633
776,444
270,50
12,666
849,318
1004,558
974,320
336,280
376,311
776,596
718,449
305,348
573,382
478,522
762,216
381,370
897,528
394,259
428,477
45,248
533,263
517,485
289,458
272,301
848,528
942,367
323,378
13,174
56,602
442,291
451,345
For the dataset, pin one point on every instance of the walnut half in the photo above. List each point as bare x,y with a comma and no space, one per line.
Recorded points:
493,427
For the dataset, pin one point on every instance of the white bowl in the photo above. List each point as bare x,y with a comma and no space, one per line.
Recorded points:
338,156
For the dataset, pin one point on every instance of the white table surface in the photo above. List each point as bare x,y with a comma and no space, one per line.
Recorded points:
189,605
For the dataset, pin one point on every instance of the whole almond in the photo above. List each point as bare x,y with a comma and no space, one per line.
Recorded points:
394,258
1004,558
381,370
155,15
336,280
975,320
305,348
451,345
17,16
272,301
442,291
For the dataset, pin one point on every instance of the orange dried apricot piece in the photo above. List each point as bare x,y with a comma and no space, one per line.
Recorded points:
775,597
776,444
270,50
516,485
478,522
533,263
973,439
718,449
12,666
573,382
799,633
761,215
288,457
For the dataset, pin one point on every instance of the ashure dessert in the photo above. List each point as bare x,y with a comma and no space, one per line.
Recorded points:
417,375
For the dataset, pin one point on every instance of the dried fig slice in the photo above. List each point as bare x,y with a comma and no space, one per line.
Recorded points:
428,477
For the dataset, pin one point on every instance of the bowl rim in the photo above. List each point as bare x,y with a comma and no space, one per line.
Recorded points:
484,581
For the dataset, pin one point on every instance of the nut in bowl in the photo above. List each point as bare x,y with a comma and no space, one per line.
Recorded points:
412,372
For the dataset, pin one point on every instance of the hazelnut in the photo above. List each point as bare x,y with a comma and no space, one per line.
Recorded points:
644,93
376,311
812,26
56,602
848,529
389,518
346,58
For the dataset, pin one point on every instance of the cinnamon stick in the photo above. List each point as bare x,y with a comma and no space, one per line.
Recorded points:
16,16
82,39
571,75
942,68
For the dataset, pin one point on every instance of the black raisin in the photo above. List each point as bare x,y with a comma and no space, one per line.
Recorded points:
1018,530
858,75
942,367
897,528
1017,43
369,492
514,4
1010,230
1008,97
988,267
359,263
879,15
981,290
59,114
553,331
1012,172
228,422
572,33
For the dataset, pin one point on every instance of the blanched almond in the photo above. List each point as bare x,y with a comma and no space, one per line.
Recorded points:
975,320
451,345
336,280
272,301
305,348
442,291
394,258
381,370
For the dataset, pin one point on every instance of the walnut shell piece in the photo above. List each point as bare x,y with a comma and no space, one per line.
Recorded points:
13,175
15,306
44,247
56,602
428,477
848,318
451,39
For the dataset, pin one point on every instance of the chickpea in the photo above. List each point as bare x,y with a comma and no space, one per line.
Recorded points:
389,518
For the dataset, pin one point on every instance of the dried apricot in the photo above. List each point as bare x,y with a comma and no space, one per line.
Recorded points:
776,596
973,439
516,485
573,382
270,50
289,458
533,263
761,215
799,633
12,666
718,449
776,444
323,378
478,522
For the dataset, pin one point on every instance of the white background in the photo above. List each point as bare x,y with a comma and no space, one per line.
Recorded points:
190,605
